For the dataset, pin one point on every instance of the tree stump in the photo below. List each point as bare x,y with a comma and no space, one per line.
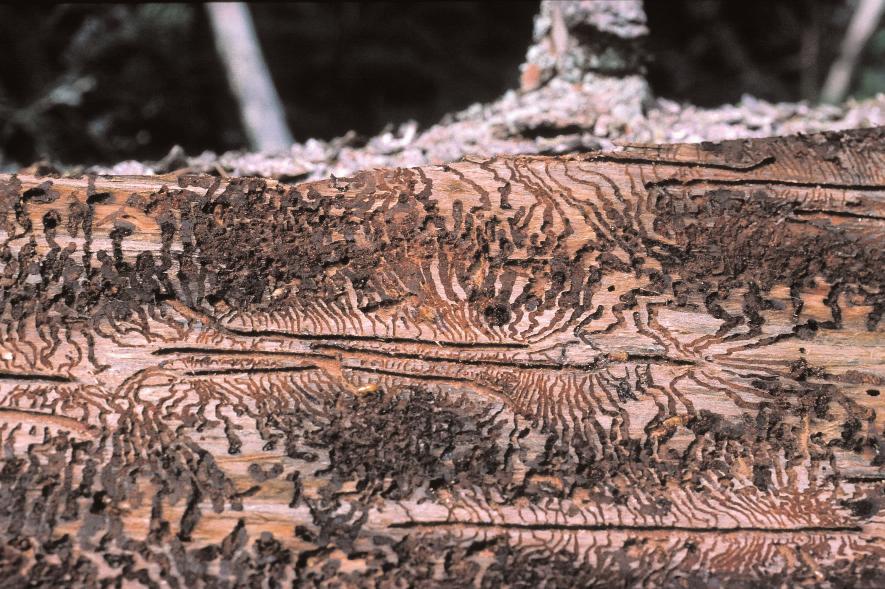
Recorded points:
661,366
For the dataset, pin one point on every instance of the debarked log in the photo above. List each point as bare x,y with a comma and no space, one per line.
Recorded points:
660,366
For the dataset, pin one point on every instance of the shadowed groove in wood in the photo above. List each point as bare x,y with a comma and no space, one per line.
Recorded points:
603,527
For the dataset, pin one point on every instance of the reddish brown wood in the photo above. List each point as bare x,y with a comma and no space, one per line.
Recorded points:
661,366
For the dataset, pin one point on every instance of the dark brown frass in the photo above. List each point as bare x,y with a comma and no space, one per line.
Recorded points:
652,367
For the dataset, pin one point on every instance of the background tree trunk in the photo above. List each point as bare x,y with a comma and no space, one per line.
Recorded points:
657,366
583,87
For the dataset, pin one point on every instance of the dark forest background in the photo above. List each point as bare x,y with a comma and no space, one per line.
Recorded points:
103,83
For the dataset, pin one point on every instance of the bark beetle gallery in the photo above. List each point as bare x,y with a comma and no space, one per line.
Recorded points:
660,366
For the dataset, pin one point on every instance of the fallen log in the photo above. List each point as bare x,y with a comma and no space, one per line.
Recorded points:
660,366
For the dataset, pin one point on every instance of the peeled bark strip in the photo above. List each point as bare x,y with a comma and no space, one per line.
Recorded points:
655,367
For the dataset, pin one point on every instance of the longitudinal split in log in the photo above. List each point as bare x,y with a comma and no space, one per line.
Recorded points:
655,365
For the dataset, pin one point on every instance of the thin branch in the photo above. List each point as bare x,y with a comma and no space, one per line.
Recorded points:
260,107
863,24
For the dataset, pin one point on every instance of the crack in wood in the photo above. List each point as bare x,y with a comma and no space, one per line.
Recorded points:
848,529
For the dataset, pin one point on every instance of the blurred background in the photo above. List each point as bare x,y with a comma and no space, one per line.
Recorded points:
104,83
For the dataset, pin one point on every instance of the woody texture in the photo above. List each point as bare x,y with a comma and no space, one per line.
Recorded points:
656,366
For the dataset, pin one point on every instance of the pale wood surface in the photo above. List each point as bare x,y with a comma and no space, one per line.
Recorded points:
661,366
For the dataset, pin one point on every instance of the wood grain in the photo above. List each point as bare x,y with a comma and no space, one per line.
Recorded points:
660,366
